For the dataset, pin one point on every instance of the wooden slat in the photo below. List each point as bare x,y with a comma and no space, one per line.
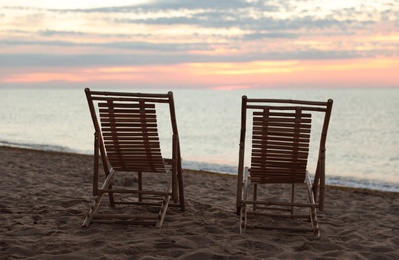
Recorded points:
261,147
138,163
106,95
276,165
132,123
280,146
127,105
276,173
277,143
116,121
129,151
131,157
304,108
134,149
136,160
121,111
120,144
281,114
284,124
281,129
126,129
131,136
132,144
128,116
279,164
277,154
281,180
111,120
287,101
276,158
139,167
284,176
270,171
286,120
142,165
127,146
258,132
143,169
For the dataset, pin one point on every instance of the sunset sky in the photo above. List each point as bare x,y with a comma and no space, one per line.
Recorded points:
220,44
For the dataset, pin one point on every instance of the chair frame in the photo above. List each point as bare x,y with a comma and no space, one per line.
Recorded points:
100,153
316,190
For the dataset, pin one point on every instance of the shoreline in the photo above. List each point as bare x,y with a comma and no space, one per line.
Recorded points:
229,175
46,194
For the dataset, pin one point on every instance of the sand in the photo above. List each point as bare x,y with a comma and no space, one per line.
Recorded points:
44,197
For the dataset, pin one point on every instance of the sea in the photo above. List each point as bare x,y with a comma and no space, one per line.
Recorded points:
362,142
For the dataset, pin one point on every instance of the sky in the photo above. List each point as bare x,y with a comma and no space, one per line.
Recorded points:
220,44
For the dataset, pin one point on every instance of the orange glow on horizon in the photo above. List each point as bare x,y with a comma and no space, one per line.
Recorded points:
255,67
225,76
232,87
44,77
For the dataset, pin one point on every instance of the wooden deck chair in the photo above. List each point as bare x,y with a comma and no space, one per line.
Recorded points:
126,139
280,148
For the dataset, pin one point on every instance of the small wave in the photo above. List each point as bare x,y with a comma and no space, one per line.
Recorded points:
210,167
363,184
331,180
226,169
43,147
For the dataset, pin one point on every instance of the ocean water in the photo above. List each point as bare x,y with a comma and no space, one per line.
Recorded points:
362,143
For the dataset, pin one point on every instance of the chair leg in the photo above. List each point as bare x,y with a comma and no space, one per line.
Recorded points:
243,218
292,198
111,198
175,186
140,185
244,197
255,195
164,208
93,209
175,167
109,177
97,200
314,222
181,190
312,213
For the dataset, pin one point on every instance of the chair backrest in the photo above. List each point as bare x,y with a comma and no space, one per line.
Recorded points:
280,145
288,120
126,125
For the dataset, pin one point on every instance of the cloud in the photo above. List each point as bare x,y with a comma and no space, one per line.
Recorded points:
95,60
187,31
48,32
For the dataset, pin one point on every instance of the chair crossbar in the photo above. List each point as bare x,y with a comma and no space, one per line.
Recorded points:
287,101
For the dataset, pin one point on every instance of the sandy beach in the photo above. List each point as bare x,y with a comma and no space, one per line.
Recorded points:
44,197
